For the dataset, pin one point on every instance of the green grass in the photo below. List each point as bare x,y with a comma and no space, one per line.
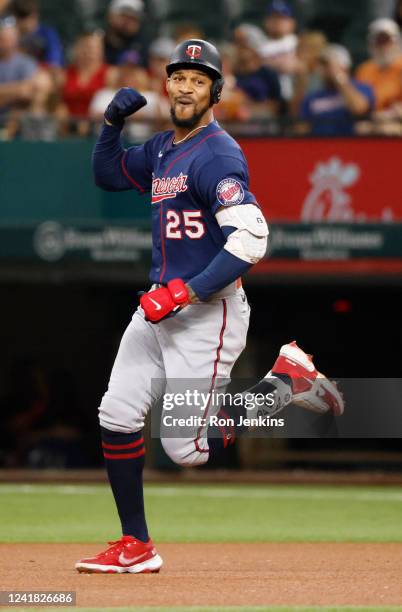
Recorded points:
205,513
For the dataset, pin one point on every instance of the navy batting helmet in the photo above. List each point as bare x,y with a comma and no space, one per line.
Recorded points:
201,55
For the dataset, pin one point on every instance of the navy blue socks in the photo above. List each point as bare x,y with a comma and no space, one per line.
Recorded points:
124,460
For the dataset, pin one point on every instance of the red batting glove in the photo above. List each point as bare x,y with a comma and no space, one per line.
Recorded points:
165,301
179,291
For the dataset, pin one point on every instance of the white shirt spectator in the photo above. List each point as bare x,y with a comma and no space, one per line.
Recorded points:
281,49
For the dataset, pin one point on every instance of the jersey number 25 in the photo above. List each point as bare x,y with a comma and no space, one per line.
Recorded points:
187,221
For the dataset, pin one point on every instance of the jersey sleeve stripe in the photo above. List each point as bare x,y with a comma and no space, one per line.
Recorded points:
125,171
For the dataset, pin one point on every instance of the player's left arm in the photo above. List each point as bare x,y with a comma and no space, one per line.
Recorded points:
223,185
246,232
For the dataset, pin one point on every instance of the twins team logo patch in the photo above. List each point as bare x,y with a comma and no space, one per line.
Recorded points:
193,51
168,187
229,191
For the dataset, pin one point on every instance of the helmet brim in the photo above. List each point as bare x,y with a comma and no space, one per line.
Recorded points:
202,67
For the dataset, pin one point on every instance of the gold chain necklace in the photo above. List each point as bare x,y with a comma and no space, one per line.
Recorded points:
189,134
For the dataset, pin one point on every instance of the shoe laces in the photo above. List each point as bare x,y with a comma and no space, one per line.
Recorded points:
114,547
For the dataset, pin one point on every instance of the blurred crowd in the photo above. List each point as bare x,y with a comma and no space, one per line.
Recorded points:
276,74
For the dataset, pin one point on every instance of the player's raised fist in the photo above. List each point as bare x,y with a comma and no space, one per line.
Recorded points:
126,102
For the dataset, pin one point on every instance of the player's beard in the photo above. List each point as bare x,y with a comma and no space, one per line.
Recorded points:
191,122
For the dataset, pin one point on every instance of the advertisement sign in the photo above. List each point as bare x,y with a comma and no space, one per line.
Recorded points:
326,180
334,207
56,242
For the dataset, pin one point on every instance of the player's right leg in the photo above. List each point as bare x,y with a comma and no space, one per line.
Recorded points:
310,389
121,415
295,379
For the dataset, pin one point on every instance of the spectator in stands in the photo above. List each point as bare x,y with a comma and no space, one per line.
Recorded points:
234,102
4,8
186,31
250,35
279,52
84,77
131,74
17,71
306,79
87,74
331,110
25,88
38,40
124,31
384,70
160,52
258,82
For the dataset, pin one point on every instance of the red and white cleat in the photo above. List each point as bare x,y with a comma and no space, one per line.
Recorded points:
125,555
311,389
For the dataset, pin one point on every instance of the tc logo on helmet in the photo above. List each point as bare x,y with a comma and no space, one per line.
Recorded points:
193,51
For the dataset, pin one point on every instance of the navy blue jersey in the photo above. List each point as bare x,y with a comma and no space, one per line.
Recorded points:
188,183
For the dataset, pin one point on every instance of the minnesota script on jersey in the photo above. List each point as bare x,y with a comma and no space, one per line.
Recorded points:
188,182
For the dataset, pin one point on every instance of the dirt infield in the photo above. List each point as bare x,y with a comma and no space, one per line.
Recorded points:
218,575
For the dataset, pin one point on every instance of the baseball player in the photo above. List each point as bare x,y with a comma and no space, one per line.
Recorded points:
208,231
